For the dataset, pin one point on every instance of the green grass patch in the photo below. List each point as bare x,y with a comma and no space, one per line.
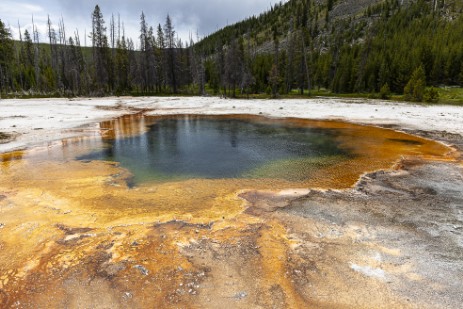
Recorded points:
450,95
31,95
447,95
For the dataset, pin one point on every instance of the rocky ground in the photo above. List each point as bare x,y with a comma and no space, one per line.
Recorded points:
394,240
396,236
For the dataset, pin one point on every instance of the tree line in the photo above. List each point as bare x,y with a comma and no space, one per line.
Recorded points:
303,45
387,47
112,65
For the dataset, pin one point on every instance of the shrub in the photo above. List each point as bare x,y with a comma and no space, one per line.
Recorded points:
385,92
414,90
431,95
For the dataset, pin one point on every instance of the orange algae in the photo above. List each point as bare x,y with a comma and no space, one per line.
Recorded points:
67,215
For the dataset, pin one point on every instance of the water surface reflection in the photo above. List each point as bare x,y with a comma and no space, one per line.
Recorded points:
205,147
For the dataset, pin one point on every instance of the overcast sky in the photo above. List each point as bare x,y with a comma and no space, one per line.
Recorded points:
202,16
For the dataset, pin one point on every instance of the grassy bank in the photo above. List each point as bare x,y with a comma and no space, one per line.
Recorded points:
450,95
447,95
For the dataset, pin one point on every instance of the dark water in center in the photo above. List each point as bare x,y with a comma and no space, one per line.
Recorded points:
204,147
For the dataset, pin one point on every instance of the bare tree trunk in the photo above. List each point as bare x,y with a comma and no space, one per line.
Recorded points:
290,52
18,57
63,55
202,82
2,82
36,54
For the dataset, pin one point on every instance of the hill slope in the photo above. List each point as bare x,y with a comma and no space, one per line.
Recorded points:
346,46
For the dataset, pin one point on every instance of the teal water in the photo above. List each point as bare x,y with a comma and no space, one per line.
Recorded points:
186,147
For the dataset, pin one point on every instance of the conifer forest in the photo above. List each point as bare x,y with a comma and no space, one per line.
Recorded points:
384,47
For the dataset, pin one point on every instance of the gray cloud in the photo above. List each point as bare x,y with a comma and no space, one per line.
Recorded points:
202,16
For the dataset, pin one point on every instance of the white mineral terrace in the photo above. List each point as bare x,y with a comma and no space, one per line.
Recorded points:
36,121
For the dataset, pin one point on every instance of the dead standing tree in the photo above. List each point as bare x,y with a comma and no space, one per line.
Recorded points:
99,47
148,56
169,34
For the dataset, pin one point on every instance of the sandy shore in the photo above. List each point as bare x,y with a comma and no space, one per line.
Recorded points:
74,235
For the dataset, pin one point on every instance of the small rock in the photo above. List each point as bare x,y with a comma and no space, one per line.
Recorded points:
142,270
110,270
127,295
240,295
2,225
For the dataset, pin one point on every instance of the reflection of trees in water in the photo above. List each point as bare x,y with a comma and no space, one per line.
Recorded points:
8,158
166,132
234,133
214,148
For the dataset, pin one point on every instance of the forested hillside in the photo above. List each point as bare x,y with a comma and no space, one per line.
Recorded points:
344,46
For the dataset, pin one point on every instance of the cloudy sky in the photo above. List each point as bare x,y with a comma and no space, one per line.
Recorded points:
202,16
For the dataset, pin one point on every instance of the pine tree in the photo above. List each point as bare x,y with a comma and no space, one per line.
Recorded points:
145,48
169,34
461,74
385,92
289,76
233,66
6,54
75,63
160,59
431,95
122,62
274,80
28,54
329,7
100,46
414,90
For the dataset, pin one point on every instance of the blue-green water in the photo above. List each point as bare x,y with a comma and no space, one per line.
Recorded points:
185,147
